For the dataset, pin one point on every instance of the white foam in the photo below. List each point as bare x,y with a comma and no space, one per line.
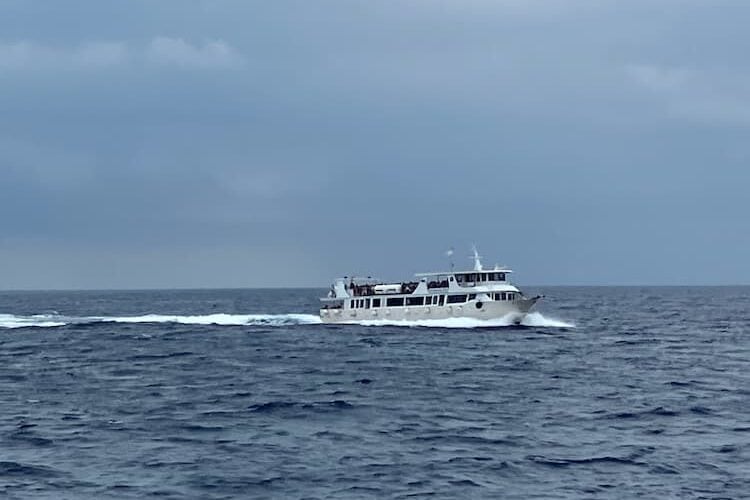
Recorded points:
533,320
220,319
45,321
536,319
40,321
12,321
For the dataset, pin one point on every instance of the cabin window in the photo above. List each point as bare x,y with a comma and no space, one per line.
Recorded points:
367,303
472,296
500,276
394,302
511,296
441,298
351,304
456,299
375,302
414,301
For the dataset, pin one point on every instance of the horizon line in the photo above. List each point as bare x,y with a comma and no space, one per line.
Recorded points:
163,289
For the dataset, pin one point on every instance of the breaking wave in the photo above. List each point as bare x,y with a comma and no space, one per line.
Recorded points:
531,320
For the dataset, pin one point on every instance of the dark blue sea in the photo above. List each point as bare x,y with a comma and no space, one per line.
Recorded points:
606,393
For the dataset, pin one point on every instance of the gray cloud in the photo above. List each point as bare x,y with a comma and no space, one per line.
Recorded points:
718,97
220,142
28,55
161,50
211,54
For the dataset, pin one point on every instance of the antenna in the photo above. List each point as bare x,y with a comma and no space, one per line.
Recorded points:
477,258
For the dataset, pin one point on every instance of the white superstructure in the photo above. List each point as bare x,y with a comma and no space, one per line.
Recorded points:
479,293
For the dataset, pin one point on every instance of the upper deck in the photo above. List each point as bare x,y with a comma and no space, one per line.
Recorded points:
477,280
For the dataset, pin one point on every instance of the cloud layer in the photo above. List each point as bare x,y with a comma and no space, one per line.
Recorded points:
161,50
579,141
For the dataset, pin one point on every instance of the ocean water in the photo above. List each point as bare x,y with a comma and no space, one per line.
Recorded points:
604,393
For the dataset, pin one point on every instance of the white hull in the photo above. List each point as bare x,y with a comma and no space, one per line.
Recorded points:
488,311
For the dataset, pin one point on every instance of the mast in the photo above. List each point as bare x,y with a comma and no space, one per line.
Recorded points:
477,258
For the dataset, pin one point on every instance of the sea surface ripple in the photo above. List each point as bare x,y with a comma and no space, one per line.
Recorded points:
608,393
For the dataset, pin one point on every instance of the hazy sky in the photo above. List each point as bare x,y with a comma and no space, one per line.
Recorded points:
233,143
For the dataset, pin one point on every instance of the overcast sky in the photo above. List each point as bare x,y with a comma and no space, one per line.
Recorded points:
235,143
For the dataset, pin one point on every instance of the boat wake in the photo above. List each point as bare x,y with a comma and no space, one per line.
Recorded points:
45,320
529,320
54,320
222,319
38,320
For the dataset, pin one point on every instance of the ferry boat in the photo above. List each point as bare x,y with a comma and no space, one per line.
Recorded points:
479,293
